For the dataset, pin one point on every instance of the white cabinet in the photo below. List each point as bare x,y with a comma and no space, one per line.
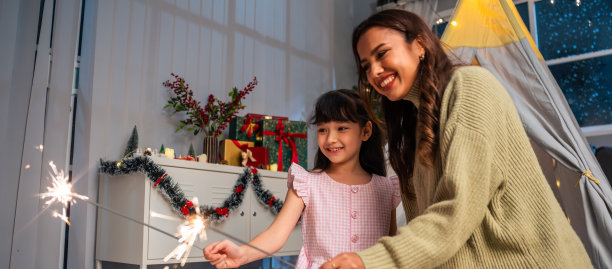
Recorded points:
124,241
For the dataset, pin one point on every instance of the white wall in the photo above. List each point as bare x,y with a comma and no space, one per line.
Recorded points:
600,140
347,15
215,46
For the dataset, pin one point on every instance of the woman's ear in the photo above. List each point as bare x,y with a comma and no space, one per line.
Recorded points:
366,131
418,44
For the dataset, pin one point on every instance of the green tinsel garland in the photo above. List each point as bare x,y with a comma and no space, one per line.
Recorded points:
173,193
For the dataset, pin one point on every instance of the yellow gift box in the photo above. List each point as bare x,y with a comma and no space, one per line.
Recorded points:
231,150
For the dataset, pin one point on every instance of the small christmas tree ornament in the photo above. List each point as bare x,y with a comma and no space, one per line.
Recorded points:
132,144
191,152
162,151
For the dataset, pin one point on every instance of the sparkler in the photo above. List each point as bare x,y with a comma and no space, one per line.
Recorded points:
194,226
60,191
189,231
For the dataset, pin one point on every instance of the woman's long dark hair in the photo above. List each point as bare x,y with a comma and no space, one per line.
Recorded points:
401,117
347,106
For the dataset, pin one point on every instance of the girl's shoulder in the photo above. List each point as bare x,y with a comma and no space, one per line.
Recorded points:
297,170
297,173
392,180
301,180
389,185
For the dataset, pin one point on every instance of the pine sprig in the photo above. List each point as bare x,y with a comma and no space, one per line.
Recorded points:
265,196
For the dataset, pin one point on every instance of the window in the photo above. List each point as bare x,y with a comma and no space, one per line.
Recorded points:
587,88
575,37
438,29
523,10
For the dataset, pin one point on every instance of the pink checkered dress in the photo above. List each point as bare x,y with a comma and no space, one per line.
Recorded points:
341,218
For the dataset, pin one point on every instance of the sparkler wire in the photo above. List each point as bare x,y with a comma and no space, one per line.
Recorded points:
175,237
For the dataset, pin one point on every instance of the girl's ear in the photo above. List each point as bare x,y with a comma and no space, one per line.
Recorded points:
366,131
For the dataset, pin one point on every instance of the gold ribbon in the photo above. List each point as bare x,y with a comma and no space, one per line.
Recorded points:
588,175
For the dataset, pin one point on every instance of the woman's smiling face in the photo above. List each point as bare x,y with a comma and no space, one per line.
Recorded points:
389,62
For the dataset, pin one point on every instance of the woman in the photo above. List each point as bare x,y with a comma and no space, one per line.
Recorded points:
472,188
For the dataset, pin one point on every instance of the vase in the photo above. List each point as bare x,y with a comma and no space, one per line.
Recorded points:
211,148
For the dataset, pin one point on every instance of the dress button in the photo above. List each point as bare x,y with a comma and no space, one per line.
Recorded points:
354,189
354,214
355,238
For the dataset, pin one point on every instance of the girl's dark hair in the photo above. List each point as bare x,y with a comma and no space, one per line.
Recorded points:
347,106
401,117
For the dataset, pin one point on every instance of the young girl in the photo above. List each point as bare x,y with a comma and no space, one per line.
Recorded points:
472,189
346,203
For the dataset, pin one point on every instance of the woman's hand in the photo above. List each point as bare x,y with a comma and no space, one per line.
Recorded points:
224,254
344,260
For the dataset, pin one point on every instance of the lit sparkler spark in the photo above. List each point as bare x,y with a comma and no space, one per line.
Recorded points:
188,232
60,191
62,216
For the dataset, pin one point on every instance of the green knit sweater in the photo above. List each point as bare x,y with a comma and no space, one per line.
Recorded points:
485,203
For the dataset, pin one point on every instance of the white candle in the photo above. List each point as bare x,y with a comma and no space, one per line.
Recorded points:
202,158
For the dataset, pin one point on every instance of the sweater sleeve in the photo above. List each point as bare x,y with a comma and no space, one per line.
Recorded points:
460,198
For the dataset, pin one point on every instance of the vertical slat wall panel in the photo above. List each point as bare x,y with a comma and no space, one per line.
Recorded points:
18,28
215,45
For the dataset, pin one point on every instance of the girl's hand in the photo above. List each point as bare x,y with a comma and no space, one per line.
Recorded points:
344,260
224,254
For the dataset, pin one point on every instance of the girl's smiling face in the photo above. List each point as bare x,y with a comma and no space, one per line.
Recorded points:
340,142
389,62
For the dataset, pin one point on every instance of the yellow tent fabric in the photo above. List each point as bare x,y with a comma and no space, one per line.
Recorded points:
484,24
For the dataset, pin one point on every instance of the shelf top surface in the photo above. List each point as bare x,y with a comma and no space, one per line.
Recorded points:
212,167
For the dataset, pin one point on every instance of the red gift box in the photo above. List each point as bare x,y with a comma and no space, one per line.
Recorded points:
264,117
261,157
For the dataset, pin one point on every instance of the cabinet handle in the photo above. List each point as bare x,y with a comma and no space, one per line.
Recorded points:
254,213
241,213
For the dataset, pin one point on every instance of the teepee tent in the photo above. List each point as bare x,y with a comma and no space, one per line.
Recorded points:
490,33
